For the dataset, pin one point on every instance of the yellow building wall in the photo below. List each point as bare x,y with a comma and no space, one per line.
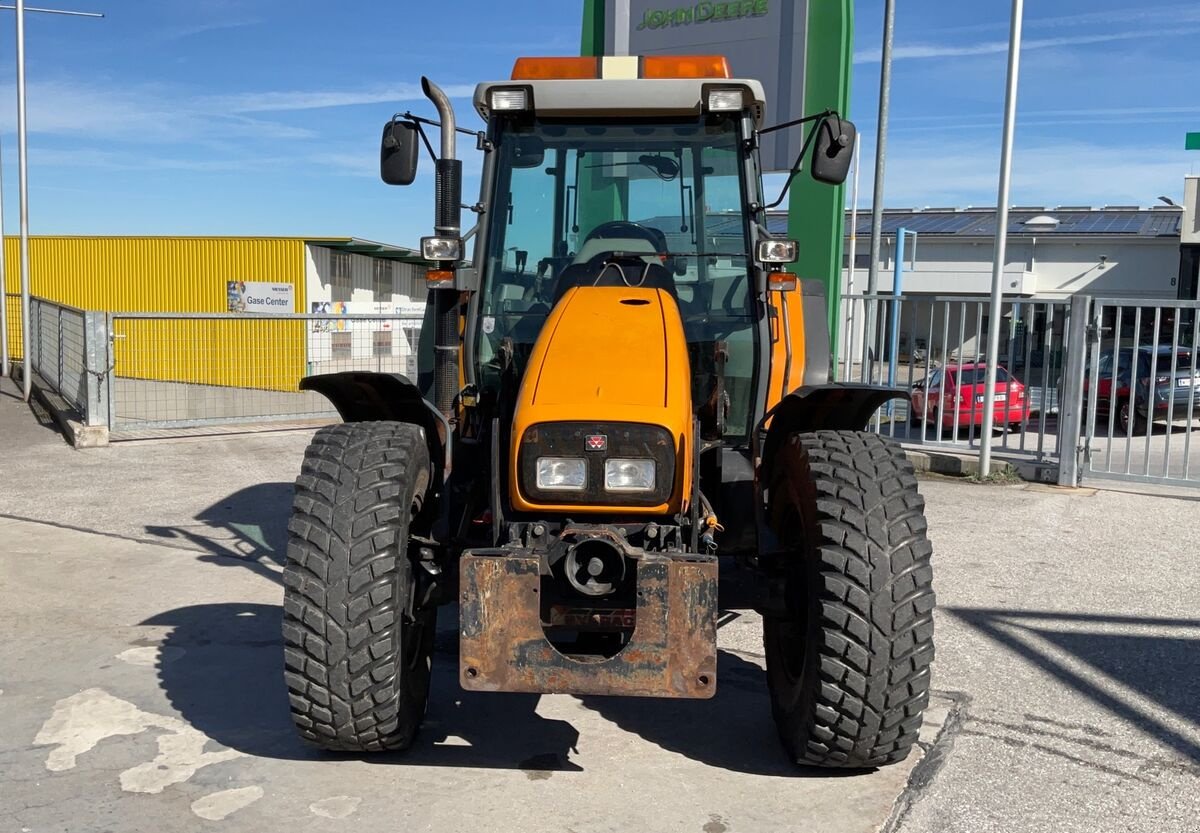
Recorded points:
174,274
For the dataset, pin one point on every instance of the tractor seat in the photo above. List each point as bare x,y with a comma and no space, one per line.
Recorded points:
625,271
599,245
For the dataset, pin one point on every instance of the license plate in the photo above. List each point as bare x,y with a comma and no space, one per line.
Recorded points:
1000,397
1187,382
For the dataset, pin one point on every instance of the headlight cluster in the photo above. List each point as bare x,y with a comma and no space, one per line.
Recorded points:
589,463
620,474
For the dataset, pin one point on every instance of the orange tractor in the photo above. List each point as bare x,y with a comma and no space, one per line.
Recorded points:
623,402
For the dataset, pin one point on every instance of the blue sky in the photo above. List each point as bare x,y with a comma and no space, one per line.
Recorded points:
263,116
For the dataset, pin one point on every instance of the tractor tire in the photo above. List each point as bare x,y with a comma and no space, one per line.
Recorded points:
848,660
357,656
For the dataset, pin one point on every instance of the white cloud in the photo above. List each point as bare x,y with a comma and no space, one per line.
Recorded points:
150,113
923,173
266,102
189,29
872,56
1150,15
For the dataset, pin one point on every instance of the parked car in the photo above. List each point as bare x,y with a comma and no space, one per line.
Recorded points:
952,397
1128,388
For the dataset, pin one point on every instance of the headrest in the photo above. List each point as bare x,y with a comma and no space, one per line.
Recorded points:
596,245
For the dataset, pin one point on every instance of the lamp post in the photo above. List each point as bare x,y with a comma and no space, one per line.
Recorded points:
885,96
26,377
994,318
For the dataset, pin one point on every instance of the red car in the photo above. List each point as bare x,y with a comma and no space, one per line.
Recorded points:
952,397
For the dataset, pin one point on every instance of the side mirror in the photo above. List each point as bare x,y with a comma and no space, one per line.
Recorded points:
834,150
398,153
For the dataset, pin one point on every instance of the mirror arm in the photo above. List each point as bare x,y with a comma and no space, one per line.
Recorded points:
425,141
808,140
795,122
481,139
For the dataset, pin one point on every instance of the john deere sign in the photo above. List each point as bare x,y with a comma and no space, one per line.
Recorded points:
763,39
702,13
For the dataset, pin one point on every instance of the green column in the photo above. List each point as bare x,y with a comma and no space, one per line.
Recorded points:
593,28
816,210
599,200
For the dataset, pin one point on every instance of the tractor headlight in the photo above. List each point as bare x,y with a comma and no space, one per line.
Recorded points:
725,100
626,475
441,248
566,473
511,98
776,251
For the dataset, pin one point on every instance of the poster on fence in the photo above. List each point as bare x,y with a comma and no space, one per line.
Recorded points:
328,308
260,297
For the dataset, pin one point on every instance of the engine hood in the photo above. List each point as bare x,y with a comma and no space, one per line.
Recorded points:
610,355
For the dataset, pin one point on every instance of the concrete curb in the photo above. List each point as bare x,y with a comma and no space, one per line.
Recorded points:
967,465
69,421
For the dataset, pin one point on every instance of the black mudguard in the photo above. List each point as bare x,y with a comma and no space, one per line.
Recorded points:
361,396
834,406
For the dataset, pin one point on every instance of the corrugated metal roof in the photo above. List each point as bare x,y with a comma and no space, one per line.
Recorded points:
980,222
1116,221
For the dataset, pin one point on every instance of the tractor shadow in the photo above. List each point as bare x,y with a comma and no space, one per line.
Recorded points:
221,668
245,529
733,730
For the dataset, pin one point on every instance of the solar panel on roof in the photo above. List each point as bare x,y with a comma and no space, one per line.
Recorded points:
1114,223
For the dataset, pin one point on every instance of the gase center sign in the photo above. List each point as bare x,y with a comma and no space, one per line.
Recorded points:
702,13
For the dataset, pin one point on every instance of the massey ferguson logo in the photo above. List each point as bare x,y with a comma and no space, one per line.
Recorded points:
596,442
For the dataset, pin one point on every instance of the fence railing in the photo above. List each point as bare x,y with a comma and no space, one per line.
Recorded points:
67,349
188,370
1139,392
934,348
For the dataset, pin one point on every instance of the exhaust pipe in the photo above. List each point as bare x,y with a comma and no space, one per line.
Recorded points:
447,207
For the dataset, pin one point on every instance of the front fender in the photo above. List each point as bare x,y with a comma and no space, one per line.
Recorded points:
361,396
835,406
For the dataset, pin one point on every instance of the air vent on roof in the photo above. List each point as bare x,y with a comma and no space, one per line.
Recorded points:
948,210
979,209
1042,221
1028,208
1121,208
1166,208
1074,208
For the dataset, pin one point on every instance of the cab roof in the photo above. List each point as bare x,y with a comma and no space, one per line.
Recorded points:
623,85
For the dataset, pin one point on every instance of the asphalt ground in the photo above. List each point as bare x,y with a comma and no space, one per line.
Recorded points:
140,675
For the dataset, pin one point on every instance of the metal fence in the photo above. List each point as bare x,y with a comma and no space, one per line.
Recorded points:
189,370
1138,392
933,347
66,352
57,349
12,305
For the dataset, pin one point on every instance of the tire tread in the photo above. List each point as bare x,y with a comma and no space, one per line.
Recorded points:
345,586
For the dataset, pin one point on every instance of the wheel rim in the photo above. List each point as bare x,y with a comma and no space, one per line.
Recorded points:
412,628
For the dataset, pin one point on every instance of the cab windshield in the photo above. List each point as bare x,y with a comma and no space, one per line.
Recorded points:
569,193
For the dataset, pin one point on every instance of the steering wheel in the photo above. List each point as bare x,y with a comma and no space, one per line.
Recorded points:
615,229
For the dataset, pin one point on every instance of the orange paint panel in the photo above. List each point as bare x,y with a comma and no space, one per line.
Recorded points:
794,303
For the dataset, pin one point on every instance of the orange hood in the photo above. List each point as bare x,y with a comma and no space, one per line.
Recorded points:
610,355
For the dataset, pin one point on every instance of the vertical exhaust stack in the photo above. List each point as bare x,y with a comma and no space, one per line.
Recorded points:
447,207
